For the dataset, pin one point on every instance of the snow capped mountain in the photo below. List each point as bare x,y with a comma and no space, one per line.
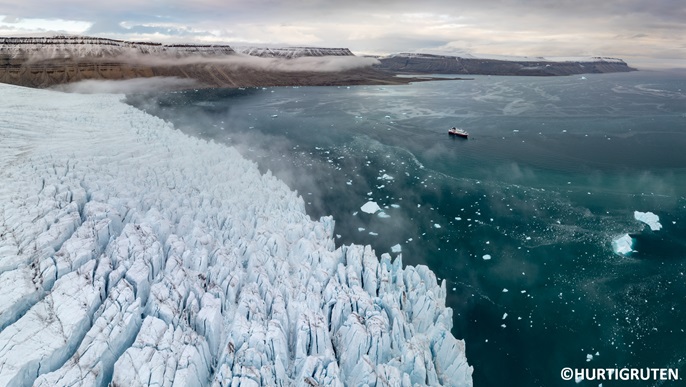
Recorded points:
292,52
133,254
87,47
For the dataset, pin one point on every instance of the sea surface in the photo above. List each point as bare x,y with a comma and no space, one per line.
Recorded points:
518,219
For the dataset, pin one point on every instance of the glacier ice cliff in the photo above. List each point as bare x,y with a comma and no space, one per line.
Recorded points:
131,255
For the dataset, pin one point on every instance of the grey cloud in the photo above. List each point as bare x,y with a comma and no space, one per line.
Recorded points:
106,26
103,27
11,19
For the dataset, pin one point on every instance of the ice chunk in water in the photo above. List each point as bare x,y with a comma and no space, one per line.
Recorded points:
370,207
623,245
648,218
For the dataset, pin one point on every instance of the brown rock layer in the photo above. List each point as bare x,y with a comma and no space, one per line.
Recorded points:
57,72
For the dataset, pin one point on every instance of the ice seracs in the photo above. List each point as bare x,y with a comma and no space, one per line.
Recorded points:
135,255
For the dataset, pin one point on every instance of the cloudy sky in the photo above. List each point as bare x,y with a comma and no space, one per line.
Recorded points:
639,31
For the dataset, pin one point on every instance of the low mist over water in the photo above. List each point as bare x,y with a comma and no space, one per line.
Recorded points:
518,220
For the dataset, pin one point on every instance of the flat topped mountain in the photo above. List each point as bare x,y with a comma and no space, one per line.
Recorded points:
61,47
445,64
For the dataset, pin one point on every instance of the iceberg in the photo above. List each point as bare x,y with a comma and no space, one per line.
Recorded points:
133,254
370,207
623,245
648,218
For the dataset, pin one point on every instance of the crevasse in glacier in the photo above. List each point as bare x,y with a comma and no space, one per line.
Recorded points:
132,254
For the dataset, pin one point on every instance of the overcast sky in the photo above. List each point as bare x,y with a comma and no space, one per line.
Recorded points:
639,31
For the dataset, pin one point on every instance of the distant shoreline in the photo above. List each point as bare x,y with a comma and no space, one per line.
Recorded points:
53,61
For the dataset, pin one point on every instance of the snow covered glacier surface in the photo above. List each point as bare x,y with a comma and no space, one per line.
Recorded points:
134,255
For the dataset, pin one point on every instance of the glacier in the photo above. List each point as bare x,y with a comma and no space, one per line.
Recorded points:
134,255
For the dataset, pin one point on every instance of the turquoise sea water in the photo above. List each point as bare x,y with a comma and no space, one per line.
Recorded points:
553,171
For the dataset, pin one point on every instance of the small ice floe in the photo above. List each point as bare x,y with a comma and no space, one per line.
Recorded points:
486,257
504,316
360,229
436,225
395,205
385,176
370,207
623,245
589,357
274,115
383,215
648,218
396,248
505,290
372,233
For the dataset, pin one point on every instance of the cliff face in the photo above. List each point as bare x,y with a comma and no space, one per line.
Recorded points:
65,47
439,64
293,52
44,75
